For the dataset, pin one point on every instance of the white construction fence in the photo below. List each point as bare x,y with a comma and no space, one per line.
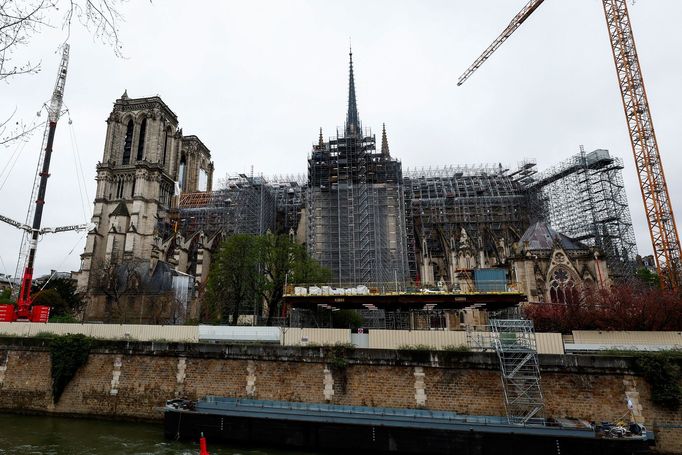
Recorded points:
547,343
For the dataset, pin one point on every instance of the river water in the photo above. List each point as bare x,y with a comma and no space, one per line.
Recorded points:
43,435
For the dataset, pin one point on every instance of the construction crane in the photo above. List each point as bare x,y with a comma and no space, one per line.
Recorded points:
24,309
659,211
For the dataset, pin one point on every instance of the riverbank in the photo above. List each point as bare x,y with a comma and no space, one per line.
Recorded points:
130,380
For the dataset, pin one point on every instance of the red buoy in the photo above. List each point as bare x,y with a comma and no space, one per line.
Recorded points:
202,445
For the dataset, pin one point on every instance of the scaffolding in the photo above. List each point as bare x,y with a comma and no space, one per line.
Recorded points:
584,198
245,205
514,341
355,210
289,192
485,206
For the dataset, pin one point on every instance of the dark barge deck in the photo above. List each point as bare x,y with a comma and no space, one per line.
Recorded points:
362,429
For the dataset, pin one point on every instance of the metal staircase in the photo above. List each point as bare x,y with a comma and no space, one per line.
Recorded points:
514,342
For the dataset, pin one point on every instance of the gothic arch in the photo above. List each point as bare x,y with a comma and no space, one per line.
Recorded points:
167,144
562,284
183,169
141,138
128,141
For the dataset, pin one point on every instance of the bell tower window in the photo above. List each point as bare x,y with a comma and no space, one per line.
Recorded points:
182,172
165,148
140,143
128,143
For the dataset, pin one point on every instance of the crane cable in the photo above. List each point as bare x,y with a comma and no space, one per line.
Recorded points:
80,175
82,189
73,248
11,162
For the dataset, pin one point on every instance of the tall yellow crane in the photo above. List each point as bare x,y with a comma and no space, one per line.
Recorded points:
659,211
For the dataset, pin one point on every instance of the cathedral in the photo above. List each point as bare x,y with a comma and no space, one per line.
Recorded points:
132,253
157,220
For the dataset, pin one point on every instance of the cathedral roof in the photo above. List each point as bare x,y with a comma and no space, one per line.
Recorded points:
540,236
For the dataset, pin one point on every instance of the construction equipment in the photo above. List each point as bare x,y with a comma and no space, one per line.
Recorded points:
25,311
659,212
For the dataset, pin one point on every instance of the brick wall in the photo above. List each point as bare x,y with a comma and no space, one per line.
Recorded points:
132,381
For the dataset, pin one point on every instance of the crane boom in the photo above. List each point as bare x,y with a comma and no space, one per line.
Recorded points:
660,218
515,23
54,111
16,224
659,211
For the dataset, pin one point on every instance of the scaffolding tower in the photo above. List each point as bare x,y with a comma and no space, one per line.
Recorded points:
514,341
355,210
289,192
245,205
584,198
488,202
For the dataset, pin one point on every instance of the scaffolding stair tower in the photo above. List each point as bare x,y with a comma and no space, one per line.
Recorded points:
514,341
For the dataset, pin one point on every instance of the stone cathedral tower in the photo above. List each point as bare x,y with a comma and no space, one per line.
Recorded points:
146,162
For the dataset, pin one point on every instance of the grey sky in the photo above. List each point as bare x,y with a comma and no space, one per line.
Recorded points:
255,80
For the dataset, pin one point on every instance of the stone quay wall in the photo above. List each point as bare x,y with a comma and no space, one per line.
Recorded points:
131,380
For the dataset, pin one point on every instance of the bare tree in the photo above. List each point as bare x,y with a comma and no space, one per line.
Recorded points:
21,20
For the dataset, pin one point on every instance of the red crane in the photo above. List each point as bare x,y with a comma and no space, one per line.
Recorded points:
25,311
659,211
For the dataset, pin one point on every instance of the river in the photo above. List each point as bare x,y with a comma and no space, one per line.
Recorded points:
45,435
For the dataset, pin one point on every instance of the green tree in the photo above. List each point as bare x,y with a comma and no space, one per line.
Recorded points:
647,277
307,270
250,270
234,279
64,299
285,262
5,296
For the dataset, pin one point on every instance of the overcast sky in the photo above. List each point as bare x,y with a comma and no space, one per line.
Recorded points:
256,80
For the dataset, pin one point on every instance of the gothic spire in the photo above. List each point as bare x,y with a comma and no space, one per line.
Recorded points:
320,143
352,117
384,142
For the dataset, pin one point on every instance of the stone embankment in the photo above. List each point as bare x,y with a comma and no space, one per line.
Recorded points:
132,379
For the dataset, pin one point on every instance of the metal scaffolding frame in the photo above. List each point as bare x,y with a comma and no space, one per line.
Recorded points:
289,192
584,198
355,210
245,205
487,201
514,341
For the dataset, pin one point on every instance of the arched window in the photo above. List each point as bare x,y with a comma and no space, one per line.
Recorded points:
165,148
203,180
140,142
128,143
182,171
562,287
119,187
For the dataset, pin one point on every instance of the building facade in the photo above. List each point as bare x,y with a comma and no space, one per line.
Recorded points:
549,266
129,253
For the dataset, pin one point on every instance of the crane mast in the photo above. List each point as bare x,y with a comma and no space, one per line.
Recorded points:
54,112
660,218
659,211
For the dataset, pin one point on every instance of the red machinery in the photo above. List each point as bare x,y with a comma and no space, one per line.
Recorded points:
24,310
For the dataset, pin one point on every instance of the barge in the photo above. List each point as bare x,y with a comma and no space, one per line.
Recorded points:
335,428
